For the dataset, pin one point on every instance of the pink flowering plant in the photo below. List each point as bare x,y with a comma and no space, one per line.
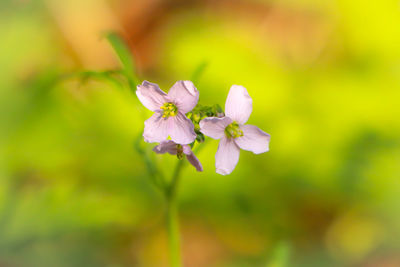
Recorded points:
179,126
169,120
170,127
233,132
173,148
178,123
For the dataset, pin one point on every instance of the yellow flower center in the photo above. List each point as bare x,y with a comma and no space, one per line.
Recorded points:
233,130
169,110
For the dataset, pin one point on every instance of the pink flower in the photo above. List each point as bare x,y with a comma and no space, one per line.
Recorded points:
173,148
169,118
232,131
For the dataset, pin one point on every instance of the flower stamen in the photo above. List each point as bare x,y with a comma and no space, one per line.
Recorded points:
233,130
169,109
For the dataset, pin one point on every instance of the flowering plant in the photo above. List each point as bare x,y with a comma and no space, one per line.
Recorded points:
170,121
179,125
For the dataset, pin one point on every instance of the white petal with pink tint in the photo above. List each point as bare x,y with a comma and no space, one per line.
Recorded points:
227,156
214,127
166,147
184,95
253,139
238,105
186,150
156,128
151,96
181,130
192,158
195,162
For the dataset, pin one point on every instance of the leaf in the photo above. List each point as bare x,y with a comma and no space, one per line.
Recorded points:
110,76
199,71
124,55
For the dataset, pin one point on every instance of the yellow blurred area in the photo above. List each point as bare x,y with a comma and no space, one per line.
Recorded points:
324,77
352,237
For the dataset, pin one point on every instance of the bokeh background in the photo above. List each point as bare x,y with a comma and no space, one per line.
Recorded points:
325,81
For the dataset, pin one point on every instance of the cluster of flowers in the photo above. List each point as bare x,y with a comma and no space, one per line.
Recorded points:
178,122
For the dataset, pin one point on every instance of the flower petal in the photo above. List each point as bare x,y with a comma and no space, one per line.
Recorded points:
185,95
186,150
214,127
238,105
181,129
151,96
156,128
253,139
167,146
227,156
192,158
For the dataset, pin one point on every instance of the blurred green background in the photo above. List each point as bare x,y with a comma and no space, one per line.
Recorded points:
325,81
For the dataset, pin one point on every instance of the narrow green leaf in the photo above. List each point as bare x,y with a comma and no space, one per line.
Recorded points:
124,55
199,71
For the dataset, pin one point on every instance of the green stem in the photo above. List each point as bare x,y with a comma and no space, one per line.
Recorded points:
173,235
155,174
172,218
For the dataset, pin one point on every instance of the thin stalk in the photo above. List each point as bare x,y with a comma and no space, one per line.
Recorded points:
154,172
172,218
